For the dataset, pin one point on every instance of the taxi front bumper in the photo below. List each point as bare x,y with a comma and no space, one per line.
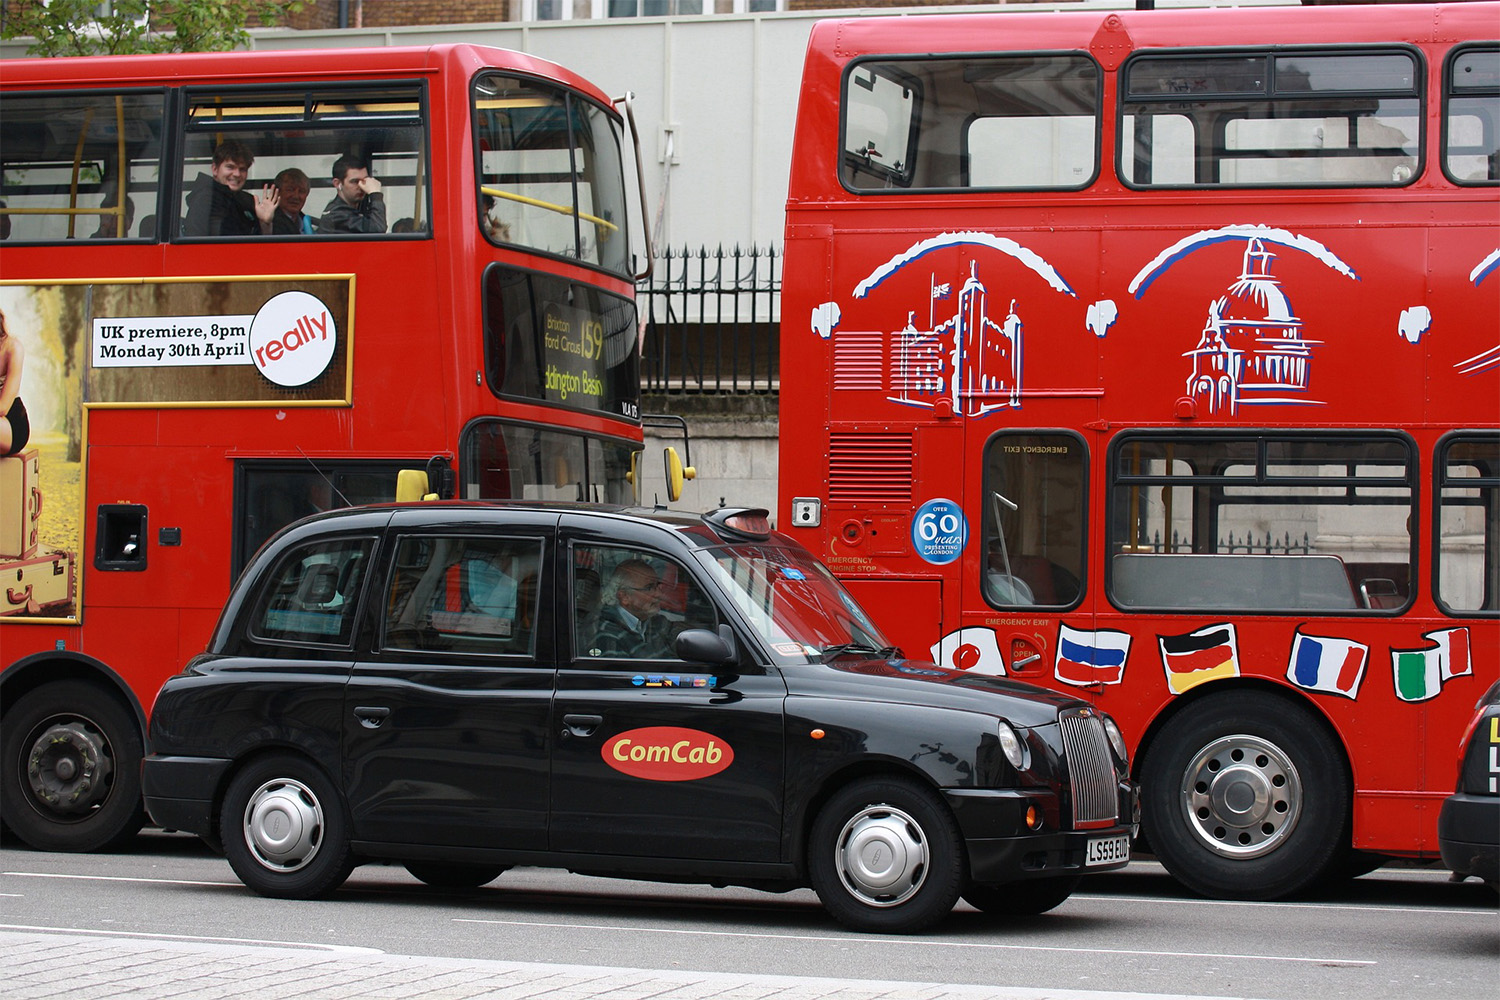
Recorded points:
1003,847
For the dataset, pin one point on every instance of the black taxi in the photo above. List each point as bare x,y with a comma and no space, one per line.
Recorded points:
460,687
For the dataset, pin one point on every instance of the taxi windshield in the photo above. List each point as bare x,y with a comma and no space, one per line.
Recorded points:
794,602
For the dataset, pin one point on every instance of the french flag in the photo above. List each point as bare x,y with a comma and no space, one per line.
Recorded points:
1327,664
1091,657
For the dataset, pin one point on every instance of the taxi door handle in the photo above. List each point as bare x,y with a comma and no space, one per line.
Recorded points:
581,725
371,717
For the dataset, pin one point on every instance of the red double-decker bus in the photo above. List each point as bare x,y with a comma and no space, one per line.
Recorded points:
1155,356
442,280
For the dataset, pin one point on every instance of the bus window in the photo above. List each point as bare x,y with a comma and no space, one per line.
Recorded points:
1468,544
1471,120
307,130
957,123
1262,524
269,495
1347,119
1034,519
63,157
546,338
549,172
508,461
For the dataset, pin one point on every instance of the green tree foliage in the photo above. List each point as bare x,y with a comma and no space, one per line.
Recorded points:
89,28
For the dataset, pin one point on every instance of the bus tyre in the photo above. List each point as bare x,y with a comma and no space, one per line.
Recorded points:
454,875
885,855
72,769
1025,898
284,829
1245,797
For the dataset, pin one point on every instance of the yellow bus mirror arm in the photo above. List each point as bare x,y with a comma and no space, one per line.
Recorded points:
411,484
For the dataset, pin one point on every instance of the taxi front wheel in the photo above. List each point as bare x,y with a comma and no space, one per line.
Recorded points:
885,856
284,830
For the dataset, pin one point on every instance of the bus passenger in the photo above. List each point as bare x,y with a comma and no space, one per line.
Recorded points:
218,205
293,187
110,227
357,205
15,428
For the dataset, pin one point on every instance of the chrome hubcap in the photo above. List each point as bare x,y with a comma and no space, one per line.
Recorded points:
1242,795
283,825
882,856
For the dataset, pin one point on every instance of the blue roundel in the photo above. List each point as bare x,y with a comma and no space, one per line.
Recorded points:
939,531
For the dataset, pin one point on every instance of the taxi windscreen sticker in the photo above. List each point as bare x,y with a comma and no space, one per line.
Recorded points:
667,753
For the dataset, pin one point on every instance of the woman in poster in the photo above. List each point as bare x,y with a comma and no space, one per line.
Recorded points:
15,429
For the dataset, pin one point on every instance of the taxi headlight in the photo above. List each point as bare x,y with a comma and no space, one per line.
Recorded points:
1116,740
1015,749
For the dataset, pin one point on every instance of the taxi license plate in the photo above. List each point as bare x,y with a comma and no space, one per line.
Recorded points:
1106,850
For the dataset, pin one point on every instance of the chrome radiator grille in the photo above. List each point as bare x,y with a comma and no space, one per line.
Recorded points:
1091,770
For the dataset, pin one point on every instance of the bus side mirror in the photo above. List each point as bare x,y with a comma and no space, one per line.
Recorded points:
411,485
677,473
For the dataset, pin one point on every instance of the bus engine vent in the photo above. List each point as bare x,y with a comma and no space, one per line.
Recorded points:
1091,770
869,468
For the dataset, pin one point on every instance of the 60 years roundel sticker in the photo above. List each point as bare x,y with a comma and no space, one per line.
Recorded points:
939,531
667,753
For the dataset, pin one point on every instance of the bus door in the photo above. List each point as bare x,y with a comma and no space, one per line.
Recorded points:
1031,508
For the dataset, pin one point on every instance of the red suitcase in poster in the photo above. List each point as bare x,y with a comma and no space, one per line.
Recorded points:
41,584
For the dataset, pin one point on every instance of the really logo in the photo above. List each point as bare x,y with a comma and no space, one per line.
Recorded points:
667,753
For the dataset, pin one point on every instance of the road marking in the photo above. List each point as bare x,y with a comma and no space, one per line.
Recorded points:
1422,910
925,942
342,949
118,878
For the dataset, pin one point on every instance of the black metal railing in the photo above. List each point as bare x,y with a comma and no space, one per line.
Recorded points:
712,322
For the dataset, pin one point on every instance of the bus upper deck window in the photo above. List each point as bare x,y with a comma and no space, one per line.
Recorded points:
1289,118
64,158
1471,117
957,123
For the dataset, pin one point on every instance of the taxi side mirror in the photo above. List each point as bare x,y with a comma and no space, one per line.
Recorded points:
703,646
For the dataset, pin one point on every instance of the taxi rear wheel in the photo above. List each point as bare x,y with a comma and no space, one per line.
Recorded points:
284,829
454,875
885,855
1025,898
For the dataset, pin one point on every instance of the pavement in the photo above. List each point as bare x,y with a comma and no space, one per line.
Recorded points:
44,964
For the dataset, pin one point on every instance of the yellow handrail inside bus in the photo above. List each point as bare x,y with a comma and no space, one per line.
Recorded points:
549,205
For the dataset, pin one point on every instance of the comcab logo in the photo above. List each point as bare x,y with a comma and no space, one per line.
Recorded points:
667,753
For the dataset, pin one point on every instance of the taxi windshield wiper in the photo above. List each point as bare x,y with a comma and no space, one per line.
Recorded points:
839,649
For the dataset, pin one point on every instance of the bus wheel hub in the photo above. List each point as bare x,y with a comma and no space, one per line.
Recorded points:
67,768
1242,796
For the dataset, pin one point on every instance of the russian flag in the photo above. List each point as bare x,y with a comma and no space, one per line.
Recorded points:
1206,654
1091,657
1326,664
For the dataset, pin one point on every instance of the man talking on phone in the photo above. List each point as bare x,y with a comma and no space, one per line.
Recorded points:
357,205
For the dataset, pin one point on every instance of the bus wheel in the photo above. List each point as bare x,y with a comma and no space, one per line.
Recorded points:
1025,898
72,769
454,875
1245,797
284,829
885,856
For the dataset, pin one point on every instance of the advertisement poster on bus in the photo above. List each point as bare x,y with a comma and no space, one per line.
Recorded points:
68,349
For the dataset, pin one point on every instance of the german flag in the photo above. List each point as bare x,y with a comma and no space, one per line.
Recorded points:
1207,654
